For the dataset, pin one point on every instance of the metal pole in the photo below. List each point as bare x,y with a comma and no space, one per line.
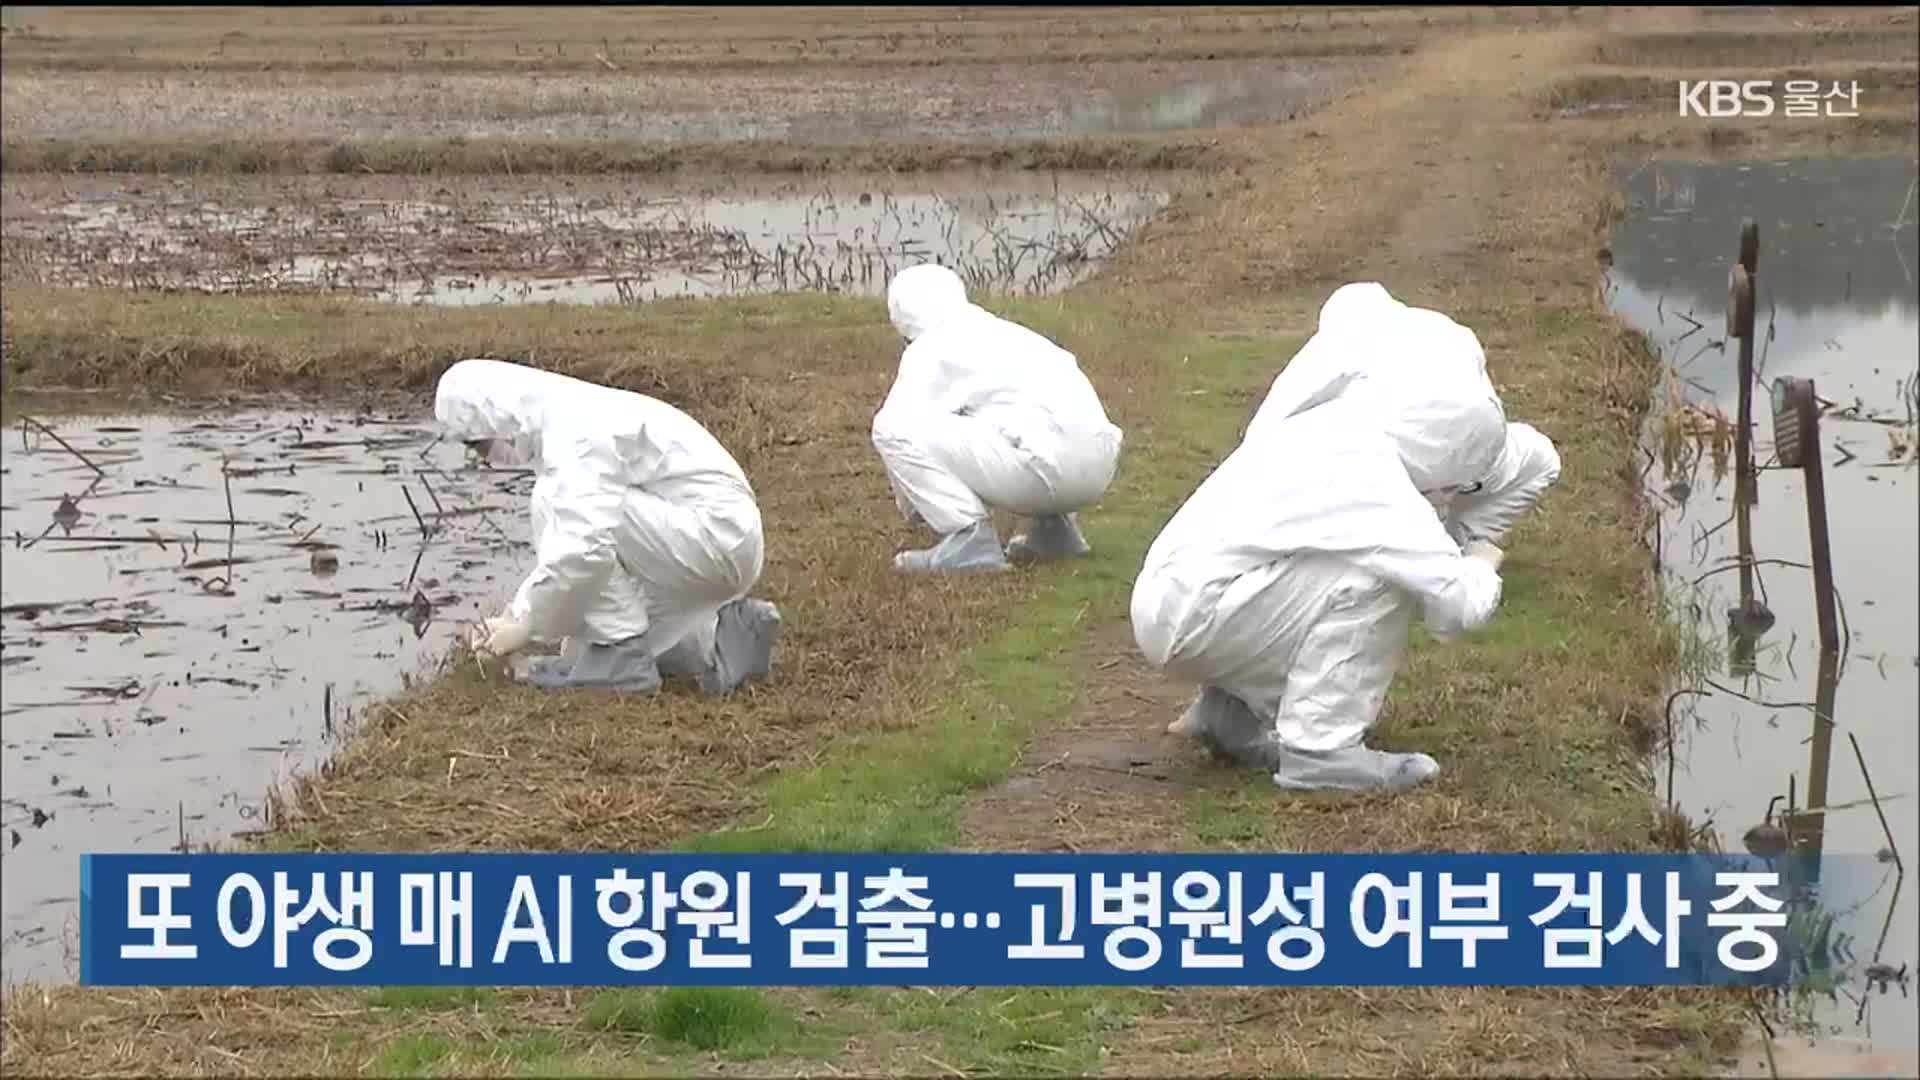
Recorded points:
1796,436
1807,831
1750,263
1740,326
1743,434
1746,489
1748,621
1818,541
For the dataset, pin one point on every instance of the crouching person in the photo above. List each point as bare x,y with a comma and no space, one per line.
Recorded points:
986,414
1286,583
646,534
1365,341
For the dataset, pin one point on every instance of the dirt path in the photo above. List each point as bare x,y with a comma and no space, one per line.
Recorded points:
1110,754
1461,208
1390,181
1448,117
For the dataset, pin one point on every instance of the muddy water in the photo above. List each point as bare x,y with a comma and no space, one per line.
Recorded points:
573,240
159,676
1259,95
1837,303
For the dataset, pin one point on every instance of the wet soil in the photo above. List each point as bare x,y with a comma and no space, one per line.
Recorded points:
568,239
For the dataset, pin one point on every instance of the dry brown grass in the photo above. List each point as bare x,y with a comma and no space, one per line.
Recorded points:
603,39
1708,52
1882,133
186,156
1883,87
836,105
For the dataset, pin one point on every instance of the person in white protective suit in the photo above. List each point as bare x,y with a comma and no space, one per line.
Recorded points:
646,534
1366,338
1286,583
986,414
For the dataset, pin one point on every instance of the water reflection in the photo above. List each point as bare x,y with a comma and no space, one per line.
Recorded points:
1837,303
1831,246
580,241
193,608
1279,94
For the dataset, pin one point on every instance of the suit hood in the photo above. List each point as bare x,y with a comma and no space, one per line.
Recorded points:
921,297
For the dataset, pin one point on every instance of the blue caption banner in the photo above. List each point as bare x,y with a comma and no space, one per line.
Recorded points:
933,920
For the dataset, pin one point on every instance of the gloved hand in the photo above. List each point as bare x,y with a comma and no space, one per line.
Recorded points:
501,637
1485,552
1479,595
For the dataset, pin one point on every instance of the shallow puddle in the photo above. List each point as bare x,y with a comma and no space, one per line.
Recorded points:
163,667
1837,304
572,240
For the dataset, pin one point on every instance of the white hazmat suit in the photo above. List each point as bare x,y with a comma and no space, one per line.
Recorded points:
646,534
987,414
1285,585
1366,340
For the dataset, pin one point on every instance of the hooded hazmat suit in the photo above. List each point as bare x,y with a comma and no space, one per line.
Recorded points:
1365,339
985,413
1286,583
646,534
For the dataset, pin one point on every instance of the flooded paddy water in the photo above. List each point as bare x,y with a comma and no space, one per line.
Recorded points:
194,607
566,239
1838,301
799,103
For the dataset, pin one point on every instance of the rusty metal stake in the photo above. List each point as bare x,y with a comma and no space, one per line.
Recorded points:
1796,436
1796,439
1740,316
1807,831
1750,262
1740,326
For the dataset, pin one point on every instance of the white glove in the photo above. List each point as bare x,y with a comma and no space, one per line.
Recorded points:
1485,552
1480,596
501,637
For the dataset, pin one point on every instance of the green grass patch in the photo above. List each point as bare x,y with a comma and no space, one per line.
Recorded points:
414,1055
429,998
541,1054
736,1021
1053,1031
524,1053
